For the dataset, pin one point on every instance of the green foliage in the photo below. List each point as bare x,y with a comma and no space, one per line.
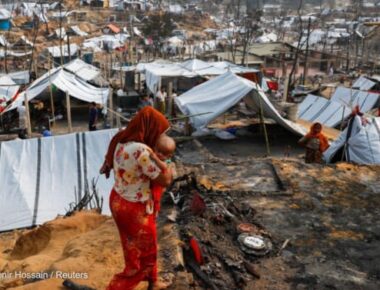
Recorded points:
159,26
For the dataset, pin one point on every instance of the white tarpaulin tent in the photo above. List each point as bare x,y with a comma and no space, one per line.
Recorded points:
363,84
41,177
8,88
220,94
358,143
75,83
332,112
154,71
55,51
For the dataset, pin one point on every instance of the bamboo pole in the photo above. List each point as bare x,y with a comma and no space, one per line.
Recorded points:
68,109
264,127
51,94
170,99
139,82
28,123
110,100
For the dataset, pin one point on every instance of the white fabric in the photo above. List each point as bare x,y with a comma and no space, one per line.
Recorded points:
5,14
60,175
351,98
363,145
19,77
74,84
155,71
61,33
221,93
8,87
363,84
86,71
78,31
13,53
331,112
55,51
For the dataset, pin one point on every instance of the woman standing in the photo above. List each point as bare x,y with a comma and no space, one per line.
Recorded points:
316,143
129,156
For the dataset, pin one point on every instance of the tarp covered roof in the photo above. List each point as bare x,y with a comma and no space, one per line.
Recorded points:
221,93
8,88
363,84
74,82
55,51
42,177
332,112
154,71
358,143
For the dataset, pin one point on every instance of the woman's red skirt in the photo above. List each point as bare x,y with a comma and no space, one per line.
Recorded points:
138,236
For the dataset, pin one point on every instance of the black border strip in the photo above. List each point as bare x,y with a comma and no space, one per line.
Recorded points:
79,168
84,151
38,182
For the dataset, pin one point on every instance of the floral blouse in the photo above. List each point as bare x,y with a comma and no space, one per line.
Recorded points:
133,170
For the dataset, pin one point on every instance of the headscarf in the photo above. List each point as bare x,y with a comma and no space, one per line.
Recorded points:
145,128
316,133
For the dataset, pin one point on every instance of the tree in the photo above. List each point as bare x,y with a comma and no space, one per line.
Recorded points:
158,26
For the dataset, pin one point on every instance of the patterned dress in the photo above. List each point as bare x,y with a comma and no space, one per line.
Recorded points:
134,171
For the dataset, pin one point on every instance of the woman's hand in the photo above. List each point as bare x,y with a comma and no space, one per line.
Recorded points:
105,169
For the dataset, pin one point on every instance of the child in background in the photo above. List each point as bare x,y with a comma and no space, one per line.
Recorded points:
163,151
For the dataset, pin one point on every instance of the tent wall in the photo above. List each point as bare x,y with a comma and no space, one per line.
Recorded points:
42,177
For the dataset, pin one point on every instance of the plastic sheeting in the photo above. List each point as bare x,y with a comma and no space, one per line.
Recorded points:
221,93
74,84
361,147
351,98
191,68
42,177
332,112
8,88
363,84
55,51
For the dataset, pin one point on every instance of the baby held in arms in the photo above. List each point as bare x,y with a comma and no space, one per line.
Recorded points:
161,155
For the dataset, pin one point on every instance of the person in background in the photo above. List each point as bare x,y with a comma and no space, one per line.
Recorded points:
315,143
21,110
93,117
144,101
161,97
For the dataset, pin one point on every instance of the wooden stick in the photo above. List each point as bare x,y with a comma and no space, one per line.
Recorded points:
51,94
170,99
68,109
112,112
28,123
264,127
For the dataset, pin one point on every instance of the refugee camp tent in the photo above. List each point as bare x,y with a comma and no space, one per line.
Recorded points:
19,77
218,95
8,88
358,143
155,71
363,84
331,112
41,177
72,78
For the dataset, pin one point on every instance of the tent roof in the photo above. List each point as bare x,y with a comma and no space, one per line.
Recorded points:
55,51
363,143
221,93
67,81
363,84
191,68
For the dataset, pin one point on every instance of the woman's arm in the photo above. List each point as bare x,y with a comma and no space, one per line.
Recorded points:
165,178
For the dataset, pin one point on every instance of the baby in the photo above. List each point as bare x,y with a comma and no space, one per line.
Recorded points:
162,153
